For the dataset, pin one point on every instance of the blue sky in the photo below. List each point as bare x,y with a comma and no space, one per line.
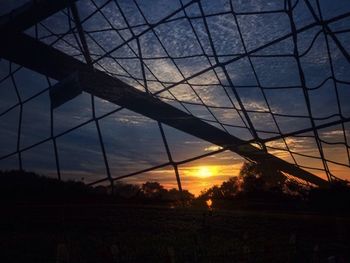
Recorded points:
172,53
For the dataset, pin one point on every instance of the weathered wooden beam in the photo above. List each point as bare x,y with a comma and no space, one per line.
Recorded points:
51,62
30,53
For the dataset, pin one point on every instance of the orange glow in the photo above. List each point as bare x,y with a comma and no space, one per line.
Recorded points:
206,171
209,203
203,175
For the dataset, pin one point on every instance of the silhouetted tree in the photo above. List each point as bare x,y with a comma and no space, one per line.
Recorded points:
24,186
260,177
213,192
230,188
153,190
227,190
126,191
294,188
175,195
334,197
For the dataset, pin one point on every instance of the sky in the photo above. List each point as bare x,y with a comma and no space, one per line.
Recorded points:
194,57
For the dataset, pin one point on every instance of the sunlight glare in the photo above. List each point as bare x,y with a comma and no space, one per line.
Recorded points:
206,171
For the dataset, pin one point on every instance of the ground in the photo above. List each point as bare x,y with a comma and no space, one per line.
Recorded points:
118,233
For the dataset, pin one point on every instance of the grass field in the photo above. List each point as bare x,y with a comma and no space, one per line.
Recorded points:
117,233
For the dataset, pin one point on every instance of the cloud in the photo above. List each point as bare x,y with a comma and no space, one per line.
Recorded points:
256,105
334,133
212,148
133,141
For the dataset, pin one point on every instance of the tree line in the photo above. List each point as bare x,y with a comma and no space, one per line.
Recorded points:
256,186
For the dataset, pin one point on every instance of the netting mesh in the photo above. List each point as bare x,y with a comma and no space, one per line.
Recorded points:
275,73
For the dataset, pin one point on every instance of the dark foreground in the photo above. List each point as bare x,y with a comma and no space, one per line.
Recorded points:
116,233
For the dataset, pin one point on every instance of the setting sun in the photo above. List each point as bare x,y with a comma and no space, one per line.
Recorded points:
206,171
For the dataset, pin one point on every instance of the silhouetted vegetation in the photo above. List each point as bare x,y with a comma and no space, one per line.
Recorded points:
335,198
259,187
20,186
152,192
256,187
27,187
101,230
256,181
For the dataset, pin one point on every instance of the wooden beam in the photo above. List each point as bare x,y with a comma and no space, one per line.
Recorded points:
37,56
